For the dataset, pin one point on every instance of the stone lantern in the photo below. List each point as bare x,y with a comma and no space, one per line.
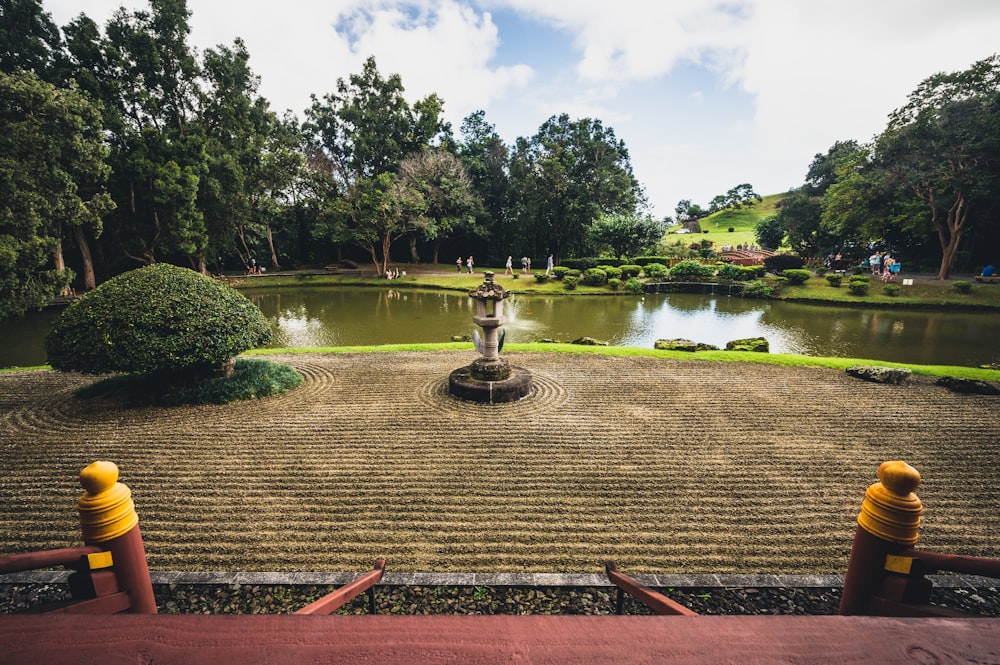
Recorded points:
489,378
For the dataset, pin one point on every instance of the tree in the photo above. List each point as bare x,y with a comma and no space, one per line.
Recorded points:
448,198
487,161
687,211
943,147
29,40
769,232
52,171
360,135
626,235
566,176
161,319
737,198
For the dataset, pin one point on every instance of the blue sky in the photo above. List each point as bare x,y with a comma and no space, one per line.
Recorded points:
705,95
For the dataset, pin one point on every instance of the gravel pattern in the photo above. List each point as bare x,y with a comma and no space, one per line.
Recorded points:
284,599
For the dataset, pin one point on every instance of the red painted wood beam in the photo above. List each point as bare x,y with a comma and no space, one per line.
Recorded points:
334,600
652,599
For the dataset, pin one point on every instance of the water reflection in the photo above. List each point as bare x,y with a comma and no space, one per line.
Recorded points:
322,317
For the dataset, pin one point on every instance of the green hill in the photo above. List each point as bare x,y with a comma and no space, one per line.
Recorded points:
716,226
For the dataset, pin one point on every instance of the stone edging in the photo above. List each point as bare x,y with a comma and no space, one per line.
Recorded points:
495,579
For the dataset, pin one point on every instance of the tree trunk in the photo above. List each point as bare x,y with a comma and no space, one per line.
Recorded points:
270,244
949,229
414,257
60,263
437,250
89,280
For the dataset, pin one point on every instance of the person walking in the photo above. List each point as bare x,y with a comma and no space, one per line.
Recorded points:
469,264
524,265
509,270
458,263
548,266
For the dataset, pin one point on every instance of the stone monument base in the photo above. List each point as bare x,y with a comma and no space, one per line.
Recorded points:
463,384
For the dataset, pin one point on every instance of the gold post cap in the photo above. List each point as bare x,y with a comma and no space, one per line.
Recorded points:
891,511
106,508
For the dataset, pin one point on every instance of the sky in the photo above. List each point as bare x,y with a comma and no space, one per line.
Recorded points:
705,95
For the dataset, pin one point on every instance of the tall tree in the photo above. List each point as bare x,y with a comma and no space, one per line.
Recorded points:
487,161
943,147
52,170
361,134
447,191
29,40
626,235
566,176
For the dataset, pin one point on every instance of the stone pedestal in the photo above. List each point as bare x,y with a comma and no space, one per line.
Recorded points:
490,378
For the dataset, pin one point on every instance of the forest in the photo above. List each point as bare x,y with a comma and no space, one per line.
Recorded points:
124,146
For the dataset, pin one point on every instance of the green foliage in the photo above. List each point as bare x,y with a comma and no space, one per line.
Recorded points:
735,273
758,289
962,286
630,270
251,379
769,232
655,270
780,262
612,272
157,319
890,289
594,277
560,271
570,282
690,268
614,283
634,285
796,276
625,234
541,277
858,287
834,280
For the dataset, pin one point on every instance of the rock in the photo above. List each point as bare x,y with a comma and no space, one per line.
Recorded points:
758,344
588,341
969,386
682,345
876,374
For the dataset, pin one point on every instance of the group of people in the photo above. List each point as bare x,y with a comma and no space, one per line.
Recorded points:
509,266
883,266
393,273
469,263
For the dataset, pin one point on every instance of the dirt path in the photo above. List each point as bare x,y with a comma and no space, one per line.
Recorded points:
666,466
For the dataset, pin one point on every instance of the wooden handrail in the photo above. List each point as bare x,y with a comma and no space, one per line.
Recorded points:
334,600
651,599
956,563
66,556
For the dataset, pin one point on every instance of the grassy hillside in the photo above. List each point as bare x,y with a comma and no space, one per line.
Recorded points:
741,221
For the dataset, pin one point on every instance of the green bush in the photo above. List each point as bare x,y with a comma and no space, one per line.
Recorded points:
157,319
757,289
630,270
594,277
735,273
634,285
569,282
614,283
858,287
559,271
655,270
891,289
963,286
796,276
834,280
612,272
541,277
573,272
692,268
253,378
861,278
780,262
821,271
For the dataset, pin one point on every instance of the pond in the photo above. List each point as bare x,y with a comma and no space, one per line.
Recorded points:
337,316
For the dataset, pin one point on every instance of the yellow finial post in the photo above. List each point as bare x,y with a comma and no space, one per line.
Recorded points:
888,523
108,519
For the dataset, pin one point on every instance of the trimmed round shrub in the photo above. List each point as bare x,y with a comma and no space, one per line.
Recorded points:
612,272
614,284
891,289
161,318
630,270
758,289
594,277
858,287
692,268
655,270
570,282
560,271
834,280
963,286
541,277
796,277
634,285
